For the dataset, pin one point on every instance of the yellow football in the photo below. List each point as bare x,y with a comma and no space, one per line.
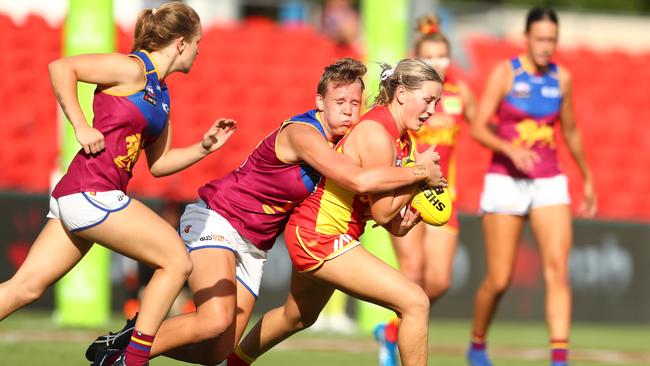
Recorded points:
433,203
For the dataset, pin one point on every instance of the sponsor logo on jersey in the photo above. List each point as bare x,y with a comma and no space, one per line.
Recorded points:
530,133
134,146
277,209
212,237
550,92
342,241
521,90
537,79
403,158
149,95
149,99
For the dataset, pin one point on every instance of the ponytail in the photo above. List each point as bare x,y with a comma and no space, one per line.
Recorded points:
158,27
409,73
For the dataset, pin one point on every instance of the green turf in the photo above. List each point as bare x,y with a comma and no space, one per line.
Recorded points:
628,337
448,339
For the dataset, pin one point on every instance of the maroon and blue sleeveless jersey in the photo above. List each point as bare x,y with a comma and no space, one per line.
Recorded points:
129,123
526,118
258,197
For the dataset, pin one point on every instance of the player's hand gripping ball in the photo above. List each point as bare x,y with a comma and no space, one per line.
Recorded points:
433,203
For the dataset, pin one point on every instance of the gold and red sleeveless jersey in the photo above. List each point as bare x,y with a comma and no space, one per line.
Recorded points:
333,210
442,129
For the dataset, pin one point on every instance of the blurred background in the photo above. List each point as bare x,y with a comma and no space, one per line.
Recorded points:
259,63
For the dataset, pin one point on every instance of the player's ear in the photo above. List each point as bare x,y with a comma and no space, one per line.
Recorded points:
320,102
400,94
180,44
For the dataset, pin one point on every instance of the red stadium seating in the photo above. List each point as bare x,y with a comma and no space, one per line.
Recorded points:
262,73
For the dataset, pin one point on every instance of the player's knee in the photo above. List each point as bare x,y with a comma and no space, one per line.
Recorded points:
416,302
307,321
27,293
437,287
412,270
556,271
180,264
299,321
498,284
213,327
187,266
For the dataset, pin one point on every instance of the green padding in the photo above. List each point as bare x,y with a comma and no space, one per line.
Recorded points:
82,297
385,26
378,242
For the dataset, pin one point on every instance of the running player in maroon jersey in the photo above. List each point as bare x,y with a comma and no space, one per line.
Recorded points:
90,205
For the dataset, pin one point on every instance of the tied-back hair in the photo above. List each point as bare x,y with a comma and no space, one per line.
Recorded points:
344,71
410,73
428,28
158,27
539,13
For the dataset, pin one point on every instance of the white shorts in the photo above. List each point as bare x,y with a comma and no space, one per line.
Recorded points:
80,211
503,194
202,228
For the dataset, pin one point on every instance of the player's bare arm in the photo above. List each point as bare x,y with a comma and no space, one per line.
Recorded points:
299,142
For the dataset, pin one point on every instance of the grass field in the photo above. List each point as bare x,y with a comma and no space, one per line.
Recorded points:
30,338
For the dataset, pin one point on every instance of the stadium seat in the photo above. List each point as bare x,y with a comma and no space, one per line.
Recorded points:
256,63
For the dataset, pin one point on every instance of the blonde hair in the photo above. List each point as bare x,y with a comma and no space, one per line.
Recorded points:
428,28
158,27
344,71
409,73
